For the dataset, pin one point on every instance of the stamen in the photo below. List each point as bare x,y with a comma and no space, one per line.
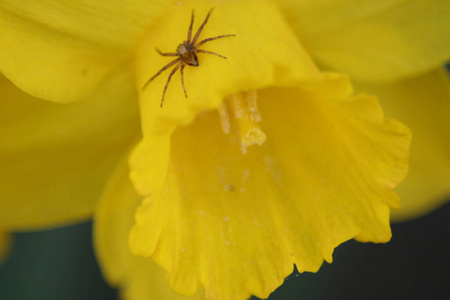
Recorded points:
224,117
253,106
243,109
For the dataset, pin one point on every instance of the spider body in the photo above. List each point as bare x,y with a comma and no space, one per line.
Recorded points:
186,55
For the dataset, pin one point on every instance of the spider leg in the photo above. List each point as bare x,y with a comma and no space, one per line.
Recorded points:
160,71
182,79
212,39
210,52
168,80
165,54
201,27
190,28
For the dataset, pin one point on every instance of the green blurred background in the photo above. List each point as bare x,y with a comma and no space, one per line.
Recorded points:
59,264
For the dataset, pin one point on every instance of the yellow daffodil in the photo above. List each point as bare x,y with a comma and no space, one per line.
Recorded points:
268,163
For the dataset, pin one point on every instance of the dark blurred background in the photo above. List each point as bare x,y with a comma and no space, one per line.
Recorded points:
59,264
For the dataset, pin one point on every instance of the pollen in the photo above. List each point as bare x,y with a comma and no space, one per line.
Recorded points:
240,112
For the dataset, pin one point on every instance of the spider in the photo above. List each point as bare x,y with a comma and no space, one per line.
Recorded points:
187,54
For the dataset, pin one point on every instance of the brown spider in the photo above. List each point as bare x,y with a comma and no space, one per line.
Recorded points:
186,53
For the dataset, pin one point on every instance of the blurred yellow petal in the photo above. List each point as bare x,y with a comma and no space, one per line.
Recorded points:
423,104
237,223
373,40
5,245
55,158
61,50
137,278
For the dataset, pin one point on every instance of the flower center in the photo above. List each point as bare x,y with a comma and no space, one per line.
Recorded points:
240,111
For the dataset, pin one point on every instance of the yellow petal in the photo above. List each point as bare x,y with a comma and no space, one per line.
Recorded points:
61,50
5,245
56,158
137,278
237,223
423,104
373,40
263,52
